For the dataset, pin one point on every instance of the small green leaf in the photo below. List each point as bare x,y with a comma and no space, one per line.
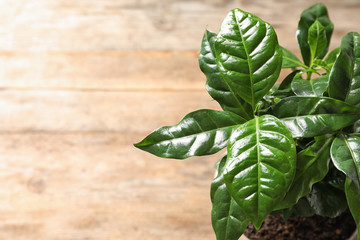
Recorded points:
317,12
352,191
331,57
290,60
344,83
286,83
201,132
260,166
228,220
320,64
248,55
317,40
312,165
314,116
217,87
310,88
326,200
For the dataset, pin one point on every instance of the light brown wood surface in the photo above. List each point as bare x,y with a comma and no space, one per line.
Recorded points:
80,82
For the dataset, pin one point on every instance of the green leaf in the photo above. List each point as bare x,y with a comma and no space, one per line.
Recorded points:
317,40
352,191
290,60
326,200
345,154
310,88
286,83
345,75
303,208
217,87
331,57
228,220
283,90
201,132
260,166
335,178
248,55
317,12
312,165
314,116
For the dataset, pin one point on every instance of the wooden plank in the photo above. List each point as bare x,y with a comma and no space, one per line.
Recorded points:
83,111
134,70
128,70
176,25
97,186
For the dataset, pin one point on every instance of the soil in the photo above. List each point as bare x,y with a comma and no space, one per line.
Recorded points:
302,228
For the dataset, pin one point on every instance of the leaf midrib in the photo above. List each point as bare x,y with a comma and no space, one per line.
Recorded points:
213,52
352,156
248,61
191,135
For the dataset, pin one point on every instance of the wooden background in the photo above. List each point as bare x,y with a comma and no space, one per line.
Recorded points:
81,81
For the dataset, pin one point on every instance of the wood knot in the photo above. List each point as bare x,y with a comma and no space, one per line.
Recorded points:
38,182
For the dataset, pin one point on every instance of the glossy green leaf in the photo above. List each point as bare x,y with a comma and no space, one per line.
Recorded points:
217,87
344,83
248,55
199,133
326,200
310,88
345,154
260,166
317,12
290,60
312,165
228,220
314,116
317,39
352,191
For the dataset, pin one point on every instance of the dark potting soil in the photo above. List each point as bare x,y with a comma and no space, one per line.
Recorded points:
301,228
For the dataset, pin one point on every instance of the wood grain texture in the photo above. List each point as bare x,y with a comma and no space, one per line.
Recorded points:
81,81
146,25
89,186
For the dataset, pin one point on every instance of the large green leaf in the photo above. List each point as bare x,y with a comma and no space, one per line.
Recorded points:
248,55
310,88
312,165
317,39
217,87
260,166
317,12
344,83
326,200
228,220
199,133
352,191
314,116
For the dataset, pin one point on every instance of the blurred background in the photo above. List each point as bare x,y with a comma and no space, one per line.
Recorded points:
81,81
